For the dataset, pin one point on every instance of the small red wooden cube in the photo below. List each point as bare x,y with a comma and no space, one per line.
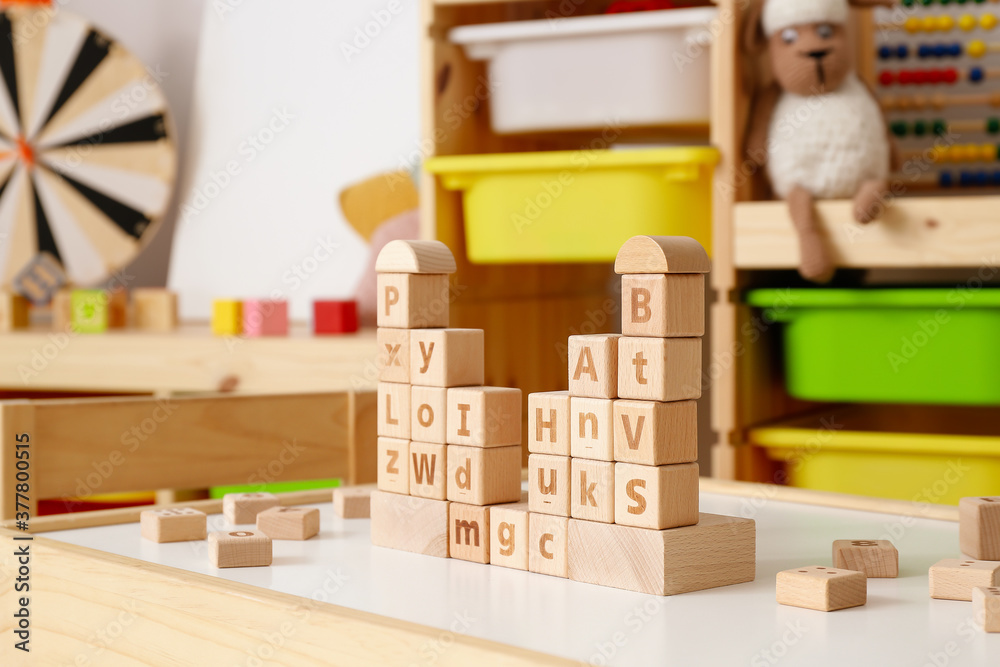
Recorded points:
335,317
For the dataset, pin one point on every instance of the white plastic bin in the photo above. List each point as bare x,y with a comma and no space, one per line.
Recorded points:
618,70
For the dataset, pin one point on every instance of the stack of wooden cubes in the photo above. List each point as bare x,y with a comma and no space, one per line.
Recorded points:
448,448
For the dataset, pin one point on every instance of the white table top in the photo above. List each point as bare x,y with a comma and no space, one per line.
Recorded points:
739,625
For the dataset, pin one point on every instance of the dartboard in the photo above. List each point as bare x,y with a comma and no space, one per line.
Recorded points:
87,155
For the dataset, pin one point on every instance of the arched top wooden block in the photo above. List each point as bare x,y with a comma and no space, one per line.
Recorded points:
429,257
662,254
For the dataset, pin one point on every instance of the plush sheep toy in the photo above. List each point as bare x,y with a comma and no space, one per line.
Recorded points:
819,130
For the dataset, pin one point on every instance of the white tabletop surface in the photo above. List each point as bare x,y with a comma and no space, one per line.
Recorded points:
738,625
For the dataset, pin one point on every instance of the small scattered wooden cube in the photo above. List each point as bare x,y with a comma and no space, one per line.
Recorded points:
13,311
654,434
549,423
986,607
663,306
429,414
979,527
182,524
484,476
549,484
547,542
447,357
393,360
659,369
656,497
62,310
154,309
91,311
592,428
289,523
335,317
428,470
227,317
509,535
661,254
243,508
265,317
393,465
593,365
954,579
592,494
117,308
484,416
239,548
408,523
469,532
411,301
822,588
878,559
40,279
393,405
353,502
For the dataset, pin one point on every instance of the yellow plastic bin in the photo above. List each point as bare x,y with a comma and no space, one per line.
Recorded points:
578,206
926,454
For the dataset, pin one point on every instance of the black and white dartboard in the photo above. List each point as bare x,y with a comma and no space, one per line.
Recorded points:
87,154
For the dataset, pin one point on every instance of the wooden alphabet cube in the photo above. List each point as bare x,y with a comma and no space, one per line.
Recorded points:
243,508
484,476
822,588
593,365
429,414
656,497
592,428
265,317
878,559
393,359
393,405
549,423
410,301
40,279
239,548
548,542
428,470
986,608
447,357
353,502
979,527
62,310
592,495
227,317
484,416
663,306
661,254
653,434
408,523
13,311
509,535
393,465
549,484
659,369
335,317
718,551
470,532
954,579
154,309
289,523
180,524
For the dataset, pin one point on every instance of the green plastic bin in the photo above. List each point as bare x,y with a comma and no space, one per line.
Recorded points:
931,346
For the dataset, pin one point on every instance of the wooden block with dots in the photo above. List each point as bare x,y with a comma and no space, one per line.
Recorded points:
353,502
986,607
979,527
954,579
180,524
822,588
243,508
239,548
878,559
289,523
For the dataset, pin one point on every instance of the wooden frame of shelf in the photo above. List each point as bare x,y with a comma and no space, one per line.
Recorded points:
754,237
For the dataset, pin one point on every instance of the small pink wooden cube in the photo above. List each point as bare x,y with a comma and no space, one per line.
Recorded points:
263,317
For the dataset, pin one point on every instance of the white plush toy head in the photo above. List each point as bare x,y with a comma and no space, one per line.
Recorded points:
781,14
